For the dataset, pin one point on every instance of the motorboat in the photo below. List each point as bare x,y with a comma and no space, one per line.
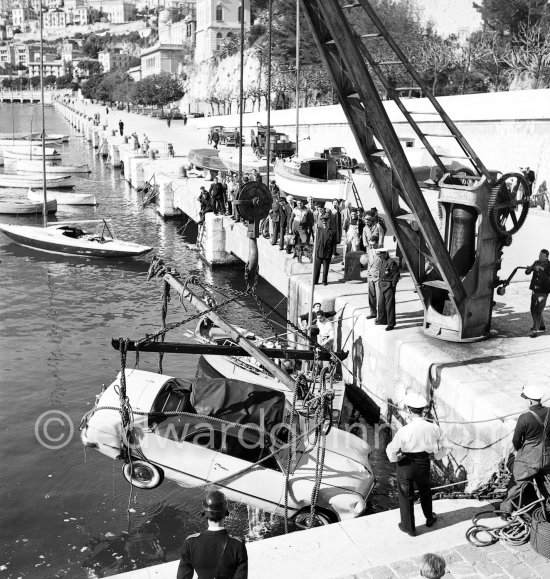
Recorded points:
26,142
250,162
32,152
63,197
312,177
215,431
18,206
206,159
73,238
35,182
25,166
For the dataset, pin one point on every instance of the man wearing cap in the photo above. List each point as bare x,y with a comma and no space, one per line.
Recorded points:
532,429
325,242
213,553
411,448
388,276
373,265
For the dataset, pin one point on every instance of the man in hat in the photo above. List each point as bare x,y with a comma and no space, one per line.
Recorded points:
532,429
325,242
388,276
213,553
411,448
373,266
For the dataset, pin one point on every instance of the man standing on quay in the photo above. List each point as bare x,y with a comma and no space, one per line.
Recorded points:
411,448
540,286
325,242
216,194
121,128
388,276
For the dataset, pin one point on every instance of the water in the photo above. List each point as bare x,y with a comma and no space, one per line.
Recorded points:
65,511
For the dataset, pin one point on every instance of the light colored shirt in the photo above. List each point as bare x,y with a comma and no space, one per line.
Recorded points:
326,331
417,436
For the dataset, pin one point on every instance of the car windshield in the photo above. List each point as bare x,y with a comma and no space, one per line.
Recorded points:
338,151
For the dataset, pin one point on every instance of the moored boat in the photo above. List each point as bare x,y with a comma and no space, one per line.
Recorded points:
18,206
230,158
68,238
32,152
312,177
64,197
28,166
35,182
206,159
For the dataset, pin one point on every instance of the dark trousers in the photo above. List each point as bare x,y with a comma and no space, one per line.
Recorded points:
218,205
121,131
229,207
317,269
538,303
386,306
282,224
373,296
413,468
512,500
276,231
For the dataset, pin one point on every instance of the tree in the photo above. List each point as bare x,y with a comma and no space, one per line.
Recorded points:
436,61
506,16
35,81
64,81
156,89
89,67
7,83
49,80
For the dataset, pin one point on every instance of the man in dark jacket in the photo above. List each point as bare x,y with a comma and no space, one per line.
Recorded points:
388,276
275,215
284,212
530,431
216,193
213,553
121,128
540,286
325,241
215,137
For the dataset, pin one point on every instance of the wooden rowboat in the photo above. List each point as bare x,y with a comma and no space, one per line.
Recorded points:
28,166
35,182
64,197
16,206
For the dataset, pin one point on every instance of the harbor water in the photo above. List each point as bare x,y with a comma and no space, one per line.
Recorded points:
67,512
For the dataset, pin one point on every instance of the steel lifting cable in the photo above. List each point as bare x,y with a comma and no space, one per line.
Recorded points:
165,300
241,98
269,54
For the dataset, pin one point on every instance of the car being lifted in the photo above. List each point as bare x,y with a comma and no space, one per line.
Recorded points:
340,155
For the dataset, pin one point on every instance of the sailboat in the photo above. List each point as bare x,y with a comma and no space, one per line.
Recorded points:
69,238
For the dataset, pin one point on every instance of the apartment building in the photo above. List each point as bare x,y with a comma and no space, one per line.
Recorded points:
116,11
115,59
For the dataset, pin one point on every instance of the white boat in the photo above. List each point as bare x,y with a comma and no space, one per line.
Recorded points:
58,137
26,166
63,197
32,152
312,177
35,182
69,238
18,206
26,142
230,158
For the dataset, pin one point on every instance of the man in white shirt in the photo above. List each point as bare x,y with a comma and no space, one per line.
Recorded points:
325,337
411,448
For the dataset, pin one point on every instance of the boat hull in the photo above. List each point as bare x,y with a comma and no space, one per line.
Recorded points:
25,207
30,167
64,197
230,158
50,240
26,182
51,154
302,187
206,159
28,142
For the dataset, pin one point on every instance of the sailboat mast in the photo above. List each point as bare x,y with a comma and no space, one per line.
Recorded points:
45,210
297,72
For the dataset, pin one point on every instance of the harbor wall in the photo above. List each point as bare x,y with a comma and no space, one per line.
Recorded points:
474,387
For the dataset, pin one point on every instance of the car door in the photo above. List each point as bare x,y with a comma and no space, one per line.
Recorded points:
184,447
261,486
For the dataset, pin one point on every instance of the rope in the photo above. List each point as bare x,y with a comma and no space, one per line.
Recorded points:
165,300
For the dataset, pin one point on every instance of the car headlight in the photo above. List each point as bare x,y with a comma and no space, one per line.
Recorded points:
359,507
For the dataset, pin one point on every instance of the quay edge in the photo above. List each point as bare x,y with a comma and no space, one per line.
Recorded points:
475,387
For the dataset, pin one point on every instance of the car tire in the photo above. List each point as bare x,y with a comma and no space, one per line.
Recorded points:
142,474
322,518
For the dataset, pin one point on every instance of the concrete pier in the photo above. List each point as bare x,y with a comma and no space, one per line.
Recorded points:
475,387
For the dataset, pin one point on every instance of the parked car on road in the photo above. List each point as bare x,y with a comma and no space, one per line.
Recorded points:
230,434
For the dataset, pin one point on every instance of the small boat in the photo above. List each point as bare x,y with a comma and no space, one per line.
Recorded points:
57,137
26,142
26,166
31,153
230,158
17,206
63,197
312,177
35,182
206,159
68,238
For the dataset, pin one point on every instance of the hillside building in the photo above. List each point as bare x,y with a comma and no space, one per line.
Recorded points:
218,21
113,60
116,11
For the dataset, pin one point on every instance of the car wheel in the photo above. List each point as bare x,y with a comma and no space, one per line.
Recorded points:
142,475
322,517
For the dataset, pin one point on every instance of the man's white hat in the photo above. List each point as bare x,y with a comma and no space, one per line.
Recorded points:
533,392
415,400
382,250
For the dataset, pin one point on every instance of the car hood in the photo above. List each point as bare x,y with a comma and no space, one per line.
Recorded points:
141,389
348,446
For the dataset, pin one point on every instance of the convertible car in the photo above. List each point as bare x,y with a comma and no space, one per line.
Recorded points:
232,435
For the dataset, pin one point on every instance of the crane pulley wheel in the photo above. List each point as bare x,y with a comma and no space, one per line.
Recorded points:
260,201
509,203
